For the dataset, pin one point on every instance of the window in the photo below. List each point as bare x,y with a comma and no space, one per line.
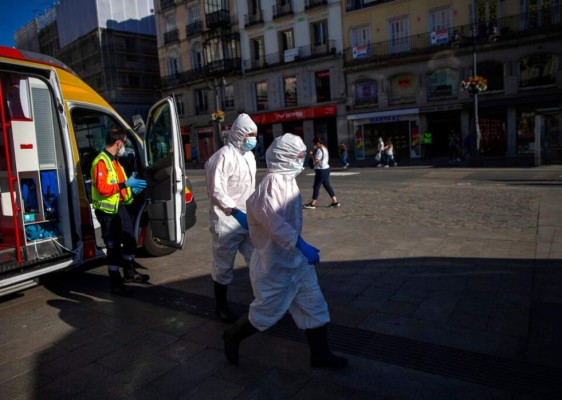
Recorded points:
493,72
193,15
261,96
169,22
196,55
286,40
442,83
257,51
440,26
399,35
319,33
538,70
360,40
366,93
179,104
200,99
290,86
228,97
322,81
403,88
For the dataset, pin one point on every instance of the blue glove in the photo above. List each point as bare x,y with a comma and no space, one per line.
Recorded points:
135,183
310,252
241,217
137,190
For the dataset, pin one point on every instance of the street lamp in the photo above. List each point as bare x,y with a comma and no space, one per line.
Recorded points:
474,85
218,115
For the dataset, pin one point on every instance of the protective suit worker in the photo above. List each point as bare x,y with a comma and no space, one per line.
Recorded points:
231,179
282,268
112,191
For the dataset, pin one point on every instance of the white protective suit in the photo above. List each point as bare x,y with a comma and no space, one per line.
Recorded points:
282,279
231,179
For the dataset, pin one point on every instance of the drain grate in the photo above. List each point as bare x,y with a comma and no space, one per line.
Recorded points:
509,375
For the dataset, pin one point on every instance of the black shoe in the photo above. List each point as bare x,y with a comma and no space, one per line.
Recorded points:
116,285
232,337
133,276
309,206
334,205
320,354
225,315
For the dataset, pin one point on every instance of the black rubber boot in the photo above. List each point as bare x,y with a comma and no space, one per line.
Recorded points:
222,310
320,354
232,337
116,285
131,273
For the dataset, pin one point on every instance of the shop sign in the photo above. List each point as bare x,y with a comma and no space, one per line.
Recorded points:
359,52
295,115
388,118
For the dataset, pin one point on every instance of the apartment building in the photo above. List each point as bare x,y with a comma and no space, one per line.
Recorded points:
405,60
111,45
278,60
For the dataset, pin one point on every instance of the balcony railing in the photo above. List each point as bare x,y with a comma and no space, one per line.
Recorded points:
253,19
309,4
508,28
281,10
219,67
217,18
171,36
297,54
195,28
352,5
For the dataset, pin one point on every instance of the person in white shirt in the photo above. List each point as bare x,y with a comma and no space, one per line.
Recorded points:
321,174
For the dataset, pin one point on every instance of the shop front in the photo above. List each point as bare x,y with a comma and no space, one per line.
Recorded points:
402,126
205,142
323,119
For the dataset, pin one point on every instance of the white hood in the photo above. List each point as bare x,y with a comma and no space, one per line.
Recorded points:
241,126
281,156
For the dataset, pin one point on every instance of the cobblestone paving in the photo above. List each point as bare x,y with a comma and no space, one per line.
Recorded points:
447,206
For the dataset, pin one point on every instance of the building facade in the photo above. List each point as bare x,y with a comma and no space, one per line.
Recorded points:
405,62
277,60
354,70
111,45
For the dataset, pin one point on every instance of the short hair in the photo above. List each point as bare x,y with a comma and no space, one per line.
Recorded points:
114,134
317,140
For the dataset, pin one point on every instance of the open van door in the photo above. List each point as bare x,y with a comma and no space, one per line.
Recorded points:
165,174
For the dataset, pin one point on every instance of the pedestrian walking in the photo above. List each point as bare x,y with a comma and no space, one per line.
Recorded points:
282,269
389,154
321,174
343,155
231,179
112,192
380,152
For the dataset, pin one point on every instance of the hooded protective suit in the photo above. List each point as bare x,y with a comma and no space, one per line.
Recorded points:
231,179
282,279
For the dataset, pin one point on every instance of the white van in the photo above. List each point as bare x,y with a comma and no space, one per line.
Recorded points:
52,127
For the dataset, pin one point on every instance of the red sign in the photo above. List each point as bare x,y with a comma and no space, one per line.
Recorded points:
294,115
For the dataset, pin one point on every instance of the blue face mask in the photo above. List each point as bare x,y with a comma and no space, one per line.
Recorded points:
250,143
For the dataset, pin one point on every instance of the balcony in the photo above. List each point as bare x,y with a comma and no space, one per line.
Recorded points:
171,36
509,28
253,19
216,68
217,18
294,55
310,4
353,5
193,29
282,9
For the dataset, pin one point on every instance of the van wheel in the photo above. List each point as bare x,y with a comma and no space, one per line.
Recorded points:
154,249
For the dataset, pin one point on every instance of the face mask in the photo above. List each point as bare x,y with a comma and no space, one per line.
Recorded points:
250,143
121,151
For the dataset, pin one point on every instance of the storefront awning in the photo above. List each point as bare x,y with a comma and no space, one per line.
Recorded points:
382,114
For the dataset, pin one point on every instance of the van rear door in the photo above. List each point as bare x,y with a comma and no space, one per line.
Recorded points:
165,174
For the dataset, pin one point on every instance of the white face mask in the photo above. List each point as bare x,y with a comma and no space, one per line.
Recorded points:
121,151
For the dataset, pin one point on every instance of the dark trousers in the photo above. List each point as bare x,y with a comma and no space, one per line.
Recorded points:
117,230
322,177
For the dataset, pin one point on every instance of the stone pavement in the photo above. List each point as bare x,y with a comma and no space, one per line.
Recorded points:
443,283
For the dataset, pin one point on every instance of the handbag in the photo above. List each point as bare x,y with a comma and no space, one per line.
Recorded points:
378,157
310,163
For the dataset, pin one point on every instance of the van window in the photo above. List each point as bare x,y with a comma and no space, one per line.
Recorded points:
159,137
90,128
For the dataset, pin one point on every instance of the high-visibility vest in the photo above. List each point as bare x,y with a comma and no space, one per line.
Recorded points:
109,204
